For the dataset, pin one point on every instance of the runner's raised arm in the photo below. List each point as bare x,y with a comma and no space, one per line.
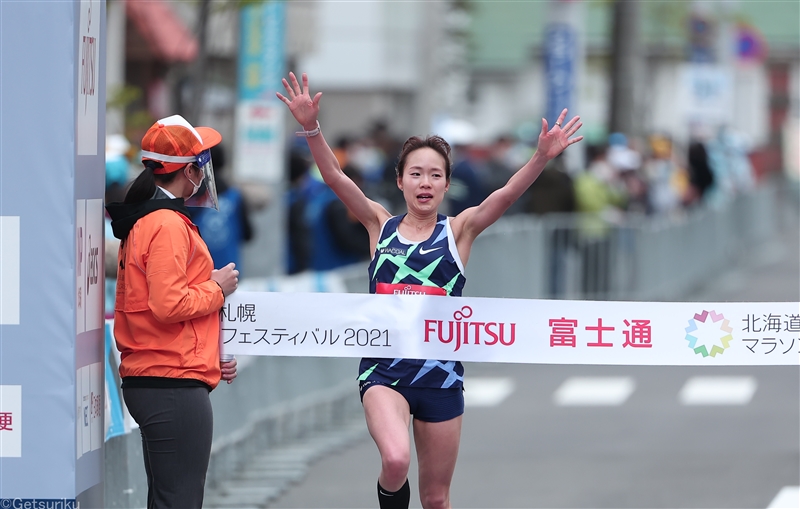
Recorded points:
306,111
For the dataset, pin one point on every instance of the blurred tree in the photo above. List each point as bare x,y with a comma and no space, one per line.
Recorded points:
626,56
135,120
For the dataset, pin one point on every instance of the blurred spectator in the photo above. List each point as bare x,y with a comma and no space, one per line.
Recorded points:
368,159
620,155
342,150
385,142
224,230
594,190
467,188
380,182
520,152
499,169
700,175
552,191
325,253
372,160
388,190
348,234
298,257
733,172
636,198
322,233
600,205
117,168
627,163
666,182
598,165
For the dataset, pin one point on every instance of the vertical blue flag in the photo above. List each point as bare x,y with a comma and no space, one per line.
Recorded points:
560,54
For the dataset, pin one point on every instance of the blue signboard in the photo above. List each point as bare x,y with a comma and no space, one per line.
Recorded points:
261,57
560,49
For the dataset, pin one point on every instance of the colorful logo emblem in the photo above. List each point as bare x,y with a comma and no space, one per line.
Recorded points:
704,337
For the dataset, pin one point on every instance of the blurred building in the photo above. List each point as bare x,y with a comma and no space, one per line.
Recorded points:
398,63
752,49
390,62
153,49
408,65
406,62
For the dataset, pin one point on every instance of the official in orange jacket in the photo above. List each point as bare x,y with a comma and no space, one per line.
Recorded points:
166,315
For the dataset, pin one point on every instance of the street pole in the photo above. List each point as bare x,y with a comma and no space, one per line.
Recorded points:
625,68
199,71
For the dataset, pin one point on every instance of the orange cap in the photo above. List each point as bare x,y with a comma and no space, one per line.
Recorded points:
173,142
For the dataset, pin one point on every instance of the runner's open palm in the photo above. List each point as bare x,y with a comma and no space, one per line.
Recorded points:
304,109
553,141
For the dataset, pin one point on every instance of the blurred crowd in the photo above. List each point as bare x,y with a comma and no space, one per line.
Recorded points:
618,178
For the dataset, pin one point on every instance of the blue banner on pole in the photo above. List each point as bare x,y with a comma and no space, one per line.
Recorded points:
560,67
261,57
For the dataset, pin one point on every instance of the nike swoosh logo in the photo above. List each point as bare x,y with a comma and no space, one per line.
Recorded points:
424,251
385,494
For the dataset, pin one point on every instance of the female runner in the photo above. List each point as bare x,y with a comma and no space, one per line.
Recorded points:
429,251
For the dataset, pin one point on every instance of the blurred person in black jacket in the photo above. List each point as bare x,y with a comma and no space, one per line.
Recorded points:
298,255
700,175
348,234
499,168
554,192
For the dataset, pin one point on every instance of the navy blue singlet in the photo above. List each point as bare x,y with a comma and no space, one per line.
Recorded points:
430,266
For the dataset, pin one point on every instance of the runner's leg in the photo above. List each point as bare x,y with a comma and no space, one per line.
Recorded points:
388,418
437,451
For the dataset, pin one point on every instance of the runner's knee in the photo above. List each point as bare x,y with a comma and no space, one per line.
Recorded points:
395,465
435,499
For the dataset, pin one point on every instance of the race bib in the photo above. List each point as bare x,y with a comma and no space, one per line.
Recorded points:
405,289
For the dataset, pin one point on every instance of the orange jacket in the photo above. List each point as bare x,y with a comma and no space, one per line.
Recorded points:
166,316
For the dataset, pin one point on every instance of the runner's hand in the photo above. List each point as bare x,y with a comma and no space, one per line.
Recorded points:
553,141
304,109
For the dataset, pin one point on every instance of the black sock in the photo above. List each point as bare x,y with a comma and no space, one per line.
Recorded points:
394,500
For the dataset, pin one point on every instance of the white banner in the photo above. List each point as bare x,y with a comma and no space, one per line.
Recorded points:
89,77
259,140
9,270
707,93
511,330
10,421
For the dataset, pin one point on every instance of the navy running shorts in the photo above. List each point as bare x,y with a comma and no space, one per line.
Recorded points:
427,404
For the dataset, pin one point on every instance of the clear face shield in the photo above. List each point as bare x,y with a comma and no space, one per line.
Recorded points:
206,195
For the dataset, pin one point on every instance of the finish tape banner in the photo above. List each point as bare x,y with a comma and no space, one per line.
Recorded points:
478,329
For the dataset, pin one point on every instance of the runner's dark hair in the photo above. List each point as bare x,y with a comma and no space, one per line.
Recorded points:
434,142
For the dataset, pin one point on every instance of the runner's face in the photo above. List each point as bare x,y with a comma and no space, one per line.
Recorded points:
424,180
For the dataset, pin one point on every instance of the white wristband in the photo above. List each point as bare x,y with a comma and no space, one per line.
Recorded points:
309,134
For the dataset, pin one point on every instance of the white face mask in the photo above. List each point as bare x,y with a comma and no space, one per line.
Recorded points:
196,186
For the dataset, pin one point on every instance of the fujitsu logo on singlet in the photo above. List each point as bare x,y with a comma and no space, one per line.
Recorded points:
460,331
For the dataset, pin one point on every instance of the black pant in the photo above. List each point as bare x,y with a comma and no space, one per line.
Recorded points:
176,426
